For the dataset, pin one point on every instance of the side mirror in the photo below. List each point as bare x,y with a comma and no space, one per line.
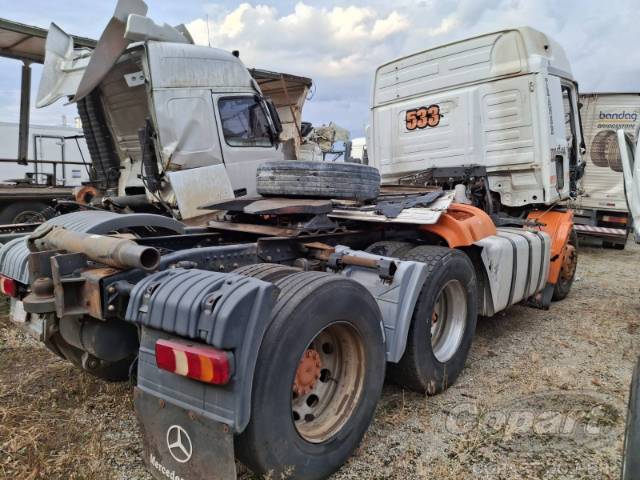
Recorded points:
275,118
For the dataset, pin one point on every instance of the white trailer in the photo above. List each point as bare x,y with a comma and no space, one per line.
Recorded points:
56,155
56,161
601,208
34,150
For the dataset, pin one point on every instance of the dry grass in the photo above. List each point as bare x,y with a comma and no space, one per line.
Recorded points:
52,420
58,423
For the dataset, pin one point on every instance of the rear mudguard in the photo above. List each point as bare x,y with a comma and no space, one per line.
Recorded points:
231,312
462,225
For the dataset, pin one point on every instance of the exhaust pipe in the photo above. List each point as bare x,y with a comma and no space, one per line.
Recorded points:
115,252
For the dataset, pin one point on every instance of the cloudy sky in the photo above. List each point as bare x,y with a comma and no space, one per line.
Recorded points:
338,43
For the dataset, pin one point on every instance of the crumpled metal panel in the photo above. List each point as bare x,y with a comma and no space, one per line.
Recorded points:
14,255
228,311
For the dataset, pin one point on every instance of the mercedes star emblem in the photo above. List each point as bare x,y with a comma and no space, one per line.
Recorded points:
179,444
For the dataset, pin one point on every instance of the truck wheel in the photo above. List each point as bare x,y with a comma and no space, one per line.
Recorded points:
568,269
318,377
269,272
443,322
111,372
292,178
613,245
23,212
630,457
390,248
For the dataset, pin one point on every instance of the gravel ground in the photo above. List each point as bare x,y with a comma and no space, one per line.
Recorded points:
543,396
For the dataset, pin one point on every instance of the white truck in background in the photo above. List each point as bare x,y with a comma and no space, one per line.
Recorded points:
62,148
57,161
601,209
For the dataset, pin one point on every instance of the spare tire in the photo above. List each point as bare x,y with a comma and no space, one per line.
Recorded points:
292,178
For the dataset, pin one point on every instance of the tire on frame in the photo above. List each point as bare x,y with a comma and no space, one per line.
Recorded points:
338,180
306,423
443,323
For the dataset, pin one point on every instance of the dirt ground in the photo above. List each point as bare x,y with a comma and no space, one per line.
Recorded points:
543,396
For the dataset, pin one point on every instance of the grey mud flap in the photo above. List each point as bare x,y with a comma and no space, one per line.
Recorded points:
182,445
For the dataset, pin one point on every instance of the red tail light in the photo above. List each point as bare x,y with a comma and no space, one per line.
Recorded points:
8,286
614,219
200,362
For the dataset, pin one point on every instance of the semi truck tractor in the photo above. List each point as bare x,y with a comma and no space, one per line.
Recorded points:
265,332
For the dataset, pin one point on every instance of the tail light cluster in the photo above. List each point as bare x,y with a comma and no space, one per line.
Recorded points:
614,219
8,286
200,362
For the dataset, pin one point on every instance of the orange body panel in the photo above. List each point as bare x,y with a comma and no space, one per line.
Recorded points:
558,225
462,225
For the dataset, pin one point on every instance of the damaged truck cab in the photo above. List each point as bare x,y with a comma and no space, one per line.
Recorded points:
180,124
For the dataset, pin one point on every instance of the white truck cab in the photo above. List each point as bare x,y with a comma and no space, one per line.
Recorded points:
505,102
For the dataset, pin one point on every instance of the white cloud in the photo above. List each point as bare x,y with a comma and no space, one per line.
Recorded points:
340,46
340,41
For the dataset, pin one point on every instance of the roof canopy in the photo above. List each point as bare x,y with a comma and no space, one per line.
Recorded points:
25,42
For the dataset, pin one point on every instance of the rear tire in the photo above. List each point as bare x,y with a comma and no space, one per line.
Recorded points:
23,212
339,180
269,272
312,439
613,245
563,286
390,248
109,371
436,353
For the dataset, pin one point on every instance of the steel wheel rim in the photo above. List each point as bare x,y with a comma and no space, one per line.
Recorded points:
322,409
448,321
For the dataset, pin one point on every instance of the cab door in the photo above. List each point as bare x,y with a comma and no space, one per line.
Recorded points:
631,171
245,137
574,136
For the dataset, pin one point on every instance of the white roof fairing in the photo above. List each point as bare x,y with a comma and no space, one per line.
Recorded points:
175,65
510,52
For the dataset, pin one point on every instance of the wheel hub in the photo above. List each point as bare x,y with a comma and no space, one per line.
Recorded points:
448,321
328,382
308,372
570,262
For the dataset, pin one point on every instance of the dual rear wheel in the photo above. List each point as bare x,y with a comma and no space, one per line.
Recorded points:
321,365
444,318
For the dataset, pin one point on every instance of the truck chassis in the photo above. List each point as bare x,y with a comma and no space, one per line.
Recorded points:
265,335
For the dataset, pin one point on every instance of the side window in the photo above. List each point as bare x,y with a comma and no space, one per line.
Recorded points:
244,123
